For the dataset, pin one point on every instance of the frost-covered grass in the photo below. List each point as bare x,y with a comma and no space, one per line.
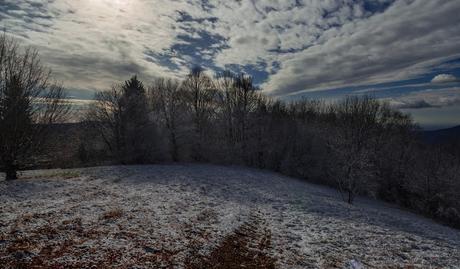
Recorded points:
204,216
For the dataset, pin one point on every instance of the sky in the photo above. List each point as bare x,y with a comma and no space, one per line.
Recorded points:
406,52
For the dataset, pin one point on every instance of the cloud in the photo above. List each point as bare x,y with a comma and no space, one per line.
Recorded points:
291,46
93,44
393,45
444,78
427,98
410,104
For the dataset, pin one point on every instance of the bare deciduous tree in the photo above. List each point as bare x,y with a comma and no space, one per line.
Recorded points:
168,101
239,100
356,125
29,104
201,95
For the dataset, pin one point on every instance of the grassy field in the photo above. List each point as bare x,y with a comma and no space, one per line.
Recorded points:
204,216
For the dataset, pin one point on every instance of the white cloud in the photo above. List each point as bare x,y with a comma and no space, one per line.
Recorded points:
92,44
444,78
303,44
427,98
405,41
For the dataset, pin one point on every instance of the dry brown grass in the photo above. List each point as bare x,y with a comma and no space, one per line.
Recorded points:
246,247
113,214
52,174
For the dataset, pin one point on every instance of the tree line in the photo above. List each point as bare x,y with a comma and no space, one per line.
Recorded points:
358,145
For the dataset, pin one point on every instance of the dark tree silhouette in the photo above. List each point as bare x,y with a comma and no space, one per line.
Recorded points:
200,96
167,101
29,105
121,117
356,120
238,101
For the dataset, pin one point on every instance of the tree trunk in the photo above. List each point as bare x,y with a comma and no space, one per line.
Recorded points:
174,148
350,197
11,173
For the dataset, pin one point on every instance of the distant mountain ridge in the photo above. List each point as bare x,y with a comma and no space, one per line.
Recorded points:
442,135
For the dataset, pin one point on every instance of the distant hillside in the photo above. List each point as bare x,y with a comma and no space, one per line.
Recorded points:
443,135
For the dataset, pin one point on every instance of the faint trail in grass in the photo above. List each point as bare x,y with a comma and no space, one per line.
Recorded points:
246,247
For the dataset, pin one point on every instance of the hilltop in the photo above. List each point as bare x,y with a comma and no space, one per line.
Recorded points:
205,216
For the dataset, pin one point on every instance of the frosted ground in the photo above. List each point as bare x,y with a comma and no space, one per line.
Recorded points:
204,216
